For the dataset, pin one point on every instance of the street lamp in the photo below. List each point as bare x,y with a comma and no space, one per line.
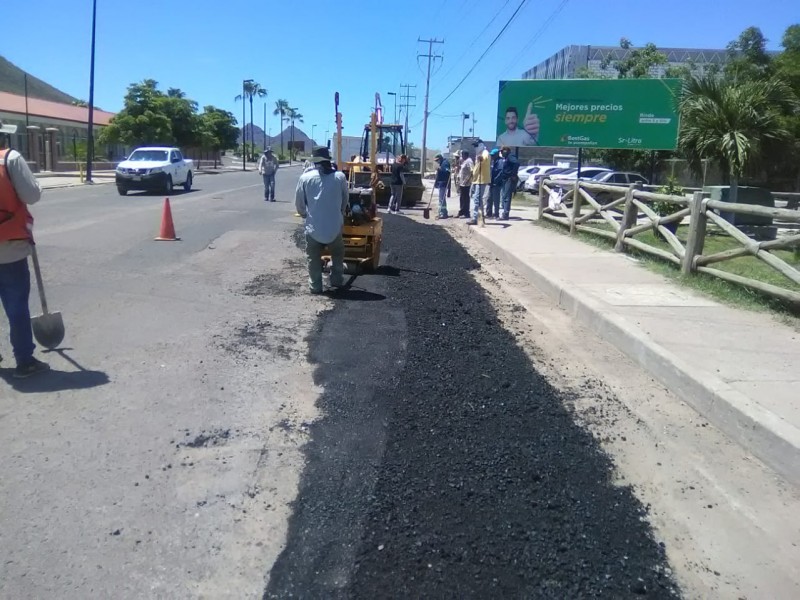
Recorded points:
90,133
395,104
312,137
244,123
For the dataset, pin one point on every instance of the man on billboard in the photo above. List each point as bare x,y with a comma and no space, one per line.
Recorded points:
513,136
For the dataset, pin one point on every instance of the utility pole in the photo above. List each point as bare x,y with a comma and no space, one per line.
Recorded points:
431,57
405,102
90,124
464,117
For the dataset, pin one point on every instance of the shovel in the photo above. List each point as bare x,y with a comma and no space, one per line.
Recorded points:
426,212
48,328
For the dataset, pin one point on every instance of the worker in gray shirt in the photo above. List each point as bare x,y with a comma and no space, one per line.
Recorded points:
18,189
322,199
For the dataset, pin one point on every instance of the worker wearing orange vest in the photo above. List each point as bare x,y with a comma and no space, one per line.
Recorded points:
18,188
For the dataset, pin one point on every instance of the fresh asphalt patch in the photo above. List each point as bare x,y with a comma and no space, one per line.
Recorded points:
445,464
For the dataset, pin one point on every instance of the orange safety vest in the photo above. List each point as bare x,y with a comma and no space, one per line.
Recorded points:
16,222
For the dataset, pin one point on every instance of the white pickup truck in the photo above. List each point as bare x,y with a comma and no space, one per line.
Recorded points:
154,168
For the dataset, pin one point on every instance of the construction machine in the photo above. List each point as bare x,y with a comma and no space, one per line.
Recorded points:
381,144
362,232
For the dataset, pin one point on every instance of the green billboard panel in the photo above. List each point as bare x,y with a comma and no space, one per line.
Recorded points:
589,113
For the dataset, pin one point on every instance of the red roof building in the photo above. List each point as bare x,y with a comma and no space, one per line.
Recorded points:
47,132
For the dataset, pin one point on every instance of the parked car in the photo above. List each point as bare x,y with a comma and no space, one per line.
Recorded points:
523,173
586,173
619,178
154,168
532,183
623,179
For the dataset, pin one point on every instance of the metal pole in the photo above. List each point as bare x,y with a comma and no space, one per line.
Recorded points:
464,117
430,56
580,161
313,127
90,133
264,131
244,129
27,119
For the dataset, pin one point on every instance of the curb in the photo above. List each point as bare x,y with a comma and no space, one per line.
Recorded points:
761,432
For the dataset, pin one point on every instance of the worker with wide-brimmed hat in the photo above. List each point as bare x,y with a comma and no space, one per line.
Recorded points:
267,168
19,188
322,198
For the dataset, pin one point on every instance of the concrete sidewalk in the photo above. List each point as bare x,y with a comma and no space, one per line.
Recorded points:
739,369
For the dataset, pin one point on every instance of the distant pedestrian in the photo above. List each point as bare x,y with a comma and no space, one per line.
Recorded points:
493,203
396,183
18,189
509,178
268,167
481,178
322,199
464,184
442,183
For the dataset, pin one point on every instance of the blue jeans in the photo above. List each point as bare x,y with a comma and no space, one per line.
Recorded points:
493,202
505,197
269,187
15,288
443,200
478,192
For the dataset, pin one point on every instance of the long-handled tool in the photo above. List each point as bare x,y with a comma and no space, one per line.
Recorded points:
48,328
426,212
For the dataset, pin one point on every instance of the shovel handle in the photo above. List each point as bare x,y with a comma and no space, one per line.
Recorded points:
38,273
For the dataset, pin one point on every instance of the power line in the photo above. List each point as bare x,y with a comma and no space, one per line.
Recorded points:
477,37
485,52
539,33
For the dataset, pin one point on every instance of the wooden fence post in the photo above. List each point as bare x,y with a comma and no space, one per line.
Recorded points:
697,233
542,201
576,206
628,217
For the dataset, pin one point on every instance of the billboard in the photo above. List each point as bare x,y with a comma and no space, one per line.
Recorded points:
589,113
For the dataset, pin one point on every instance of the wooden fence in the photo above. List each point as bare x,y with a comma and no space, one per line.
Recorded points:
630,212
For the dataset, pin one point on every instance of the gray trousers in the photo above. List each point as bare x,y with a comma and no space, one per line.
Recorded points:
314,251
396,200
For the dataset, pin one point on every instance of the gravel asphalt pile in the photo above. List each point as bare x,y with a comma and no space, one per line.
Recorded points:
446,466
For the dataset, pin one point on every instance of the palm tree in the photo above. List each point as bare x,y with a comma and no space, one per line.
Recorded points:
294,116
282,109
732,122
251,90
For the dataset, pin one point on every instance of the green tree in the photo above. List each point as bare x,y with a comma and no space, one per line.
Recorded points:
182,114
294,116
638,62
731,122
281,108
785,159
252,90
748,59
217,130
141,121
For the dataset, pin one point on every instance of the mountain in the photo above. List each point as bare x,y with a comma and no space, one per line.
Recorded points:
275,140
12,80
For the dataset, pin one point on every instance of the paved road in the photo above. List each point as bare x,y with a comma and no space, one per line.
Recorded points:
192,443
145,464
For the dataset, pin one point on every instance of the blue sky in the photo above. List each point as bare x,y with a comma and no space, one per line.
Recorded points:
305,52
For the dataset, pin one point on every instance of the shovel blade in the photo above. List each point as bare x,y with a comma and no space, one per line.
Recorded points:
48,329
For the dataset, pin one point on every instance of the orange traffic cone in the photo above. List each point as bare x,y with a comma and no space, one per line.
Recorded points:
167,226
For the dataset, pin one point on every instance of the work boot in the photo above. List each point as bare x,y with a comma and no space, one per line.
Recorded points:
29,368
